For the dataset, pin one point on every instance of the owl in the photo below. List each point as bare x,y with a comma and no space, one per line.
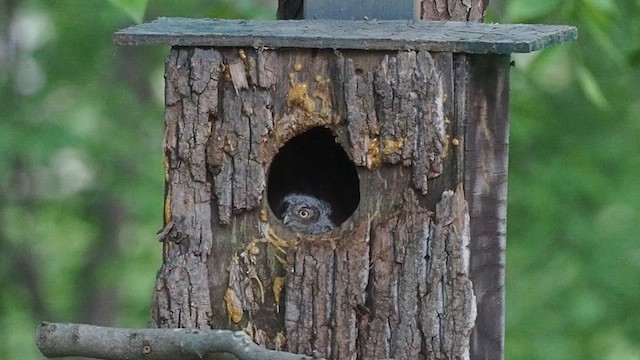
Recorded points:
306,214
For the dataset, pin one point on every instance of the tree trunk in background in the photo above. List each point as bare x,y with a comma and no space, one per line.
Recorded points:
289,9
100,300
456,10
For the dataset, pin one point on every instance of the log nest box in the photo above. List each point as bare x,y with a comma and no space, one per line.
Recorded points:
401,127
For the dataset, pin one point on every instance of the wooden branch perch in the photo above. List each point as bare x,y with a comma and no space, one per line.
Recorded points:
59,340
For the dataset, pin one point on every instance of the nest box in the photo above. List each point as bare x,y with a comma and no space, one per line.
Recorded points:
401,126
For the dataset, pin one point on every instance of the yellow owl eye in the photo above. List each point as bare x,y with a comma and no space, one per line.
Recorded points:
304,213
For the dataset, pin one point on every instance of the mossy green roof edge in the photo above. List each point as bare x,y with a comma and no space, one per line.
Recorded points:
445,36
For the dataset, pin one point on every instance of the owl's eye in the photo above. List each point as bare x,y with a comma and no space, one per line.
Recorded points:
304,213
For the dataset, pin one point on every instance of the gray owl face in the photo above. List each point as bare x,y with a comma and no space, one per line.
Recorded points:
306,214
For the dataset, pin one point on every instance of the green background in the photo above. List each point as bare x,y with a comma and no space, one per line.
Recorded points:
81,190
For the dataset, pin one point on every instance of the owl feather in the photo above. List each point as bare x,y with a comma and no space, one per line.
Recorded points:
306,214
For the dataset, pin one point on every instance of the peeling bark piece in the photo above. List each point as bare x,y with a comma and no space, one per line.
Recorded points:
456,10
399,254
449,309
267,63
430,138
309,297
396,137
409,105
238,75
245,122
325,288
361,116
189,241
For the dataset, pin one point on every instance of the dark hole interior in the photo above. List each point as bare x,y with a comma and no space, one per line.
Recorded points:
313,163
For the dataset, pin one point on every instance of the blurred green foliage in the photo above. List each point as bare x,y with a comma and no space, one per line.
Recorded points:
573,248
81,178
81,172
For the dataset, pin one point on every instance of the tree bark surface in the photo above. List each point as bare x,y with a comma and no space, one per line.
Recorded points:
393,280
456,10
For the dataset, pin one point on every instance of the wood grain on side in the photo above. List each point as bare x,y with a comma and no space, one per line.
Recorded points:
484,106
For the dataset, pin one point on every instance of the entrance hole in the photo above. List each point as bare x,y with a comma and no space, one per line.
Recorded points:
314,164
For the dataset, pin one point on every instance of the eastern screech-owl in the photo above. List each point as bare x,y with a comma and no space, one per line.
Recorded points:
306,214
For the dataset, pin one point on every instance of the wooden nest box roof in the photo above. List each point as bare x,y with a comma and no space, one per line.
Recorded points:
439,36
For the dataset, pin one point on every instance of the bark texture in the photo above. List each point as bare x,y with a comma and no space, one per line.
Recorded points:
182,297
456,10
391,281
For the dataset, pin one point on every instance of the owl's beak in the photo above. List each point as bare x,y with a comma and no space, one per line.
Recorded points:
285,220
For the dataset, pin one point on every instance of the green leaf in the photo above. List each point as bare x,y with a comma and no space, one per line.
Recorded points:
608,6
526,10
134,8
603,38
634,58
591,88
